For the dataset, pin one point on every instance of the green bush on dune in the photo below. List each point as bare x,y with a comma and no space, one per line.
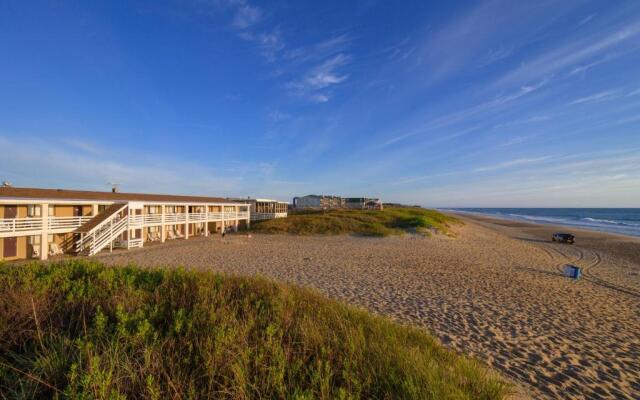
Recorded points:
392,220
78,329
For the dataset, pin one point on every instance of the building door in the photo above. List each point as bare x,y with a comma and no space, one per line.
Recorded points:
10,211
10,247
77,211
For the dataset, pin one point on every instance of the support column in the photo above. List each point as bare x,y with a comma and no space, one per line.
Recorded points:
186,221
235,228
94,210
163,230
44,236
206,221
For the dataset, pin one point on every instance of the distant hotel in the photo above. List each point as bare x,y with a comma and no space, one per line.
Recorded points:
36,223
325,202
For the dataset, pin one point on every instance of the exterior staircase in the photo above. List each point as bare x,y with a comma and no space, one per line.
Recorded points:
102,230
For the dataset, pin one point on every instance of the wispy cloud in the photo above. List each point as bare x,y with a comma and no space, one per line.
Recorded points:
81,144
586,67
460,116
634,93
512,163
596,97
523,121
586,19
495,55
275,115
517,140
60,167
246,15
319,78
313,68
320,51
571,54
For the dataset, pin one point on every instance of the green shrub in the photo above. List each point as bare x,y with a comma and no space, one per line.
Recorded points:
393,220
78,329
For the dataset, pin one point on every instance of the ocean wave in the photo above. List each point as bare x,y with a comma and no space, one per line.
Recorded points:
540,218
608,221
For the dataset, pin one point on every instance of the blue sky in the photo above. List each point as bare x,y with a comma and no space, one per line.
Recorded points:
489,103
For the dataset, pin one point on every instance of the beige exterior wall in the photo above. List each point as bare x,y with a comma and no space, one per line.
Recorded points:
63,211
64,241
67,210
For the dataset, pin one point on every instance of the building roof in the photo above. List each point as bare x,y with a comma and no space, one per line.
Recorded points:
63,194
250,199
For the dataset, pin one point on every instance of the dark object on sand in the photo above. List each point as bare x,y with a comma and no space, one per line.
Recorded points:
563,238
572,271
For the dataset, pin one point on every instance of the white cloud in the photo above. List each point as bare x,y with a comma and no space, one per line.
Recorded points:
586,19
634,93
325,75
512,163
524,121
596,97
275,115
246,16
319,51
462,115
570,54
319,78
81,144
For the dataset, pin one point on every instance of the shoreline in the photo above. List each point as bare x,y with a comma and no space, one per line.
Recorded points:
472,214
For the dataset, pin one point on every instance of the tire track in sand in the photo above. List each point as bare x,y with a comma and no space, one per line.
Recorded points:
587,273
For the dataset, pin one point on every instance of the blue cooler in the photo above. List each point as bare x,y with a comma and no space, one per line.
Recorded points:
572,271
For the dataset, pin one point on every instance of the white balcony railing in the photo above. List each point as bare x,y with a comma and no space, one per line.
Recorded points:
55,223
136,220
196,217
174,218
153,219
20,224
28,224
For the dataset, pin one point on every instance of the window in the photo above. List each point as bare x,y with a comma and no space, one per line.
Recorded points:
52,211
33,210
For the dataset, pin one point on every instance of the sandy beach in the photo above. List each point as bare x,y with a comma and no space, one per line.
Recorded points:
495,292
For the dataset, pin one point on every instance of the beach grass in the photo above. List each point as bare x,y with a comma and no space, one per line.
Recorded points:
79,329
390,221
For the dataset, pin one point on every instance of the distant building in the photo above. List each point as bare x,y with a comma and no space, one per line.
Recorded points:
262,209
315,201
363,203
326,202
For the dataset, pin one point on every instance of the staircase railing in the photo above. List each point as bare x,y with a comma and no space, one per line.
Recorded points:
103,234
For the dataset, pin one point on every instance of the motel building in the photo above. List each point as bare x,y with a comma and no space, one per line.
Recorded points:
37,223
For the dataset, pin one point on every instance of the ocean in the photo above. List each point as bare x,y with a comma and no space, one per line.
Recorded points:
625,221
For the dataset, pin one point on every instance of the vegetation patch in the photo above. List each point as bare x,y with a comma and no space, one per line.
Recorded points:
79,329
392,220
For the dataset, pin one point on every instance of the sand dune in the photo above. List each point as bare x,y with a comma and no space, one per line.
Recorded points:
494,292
